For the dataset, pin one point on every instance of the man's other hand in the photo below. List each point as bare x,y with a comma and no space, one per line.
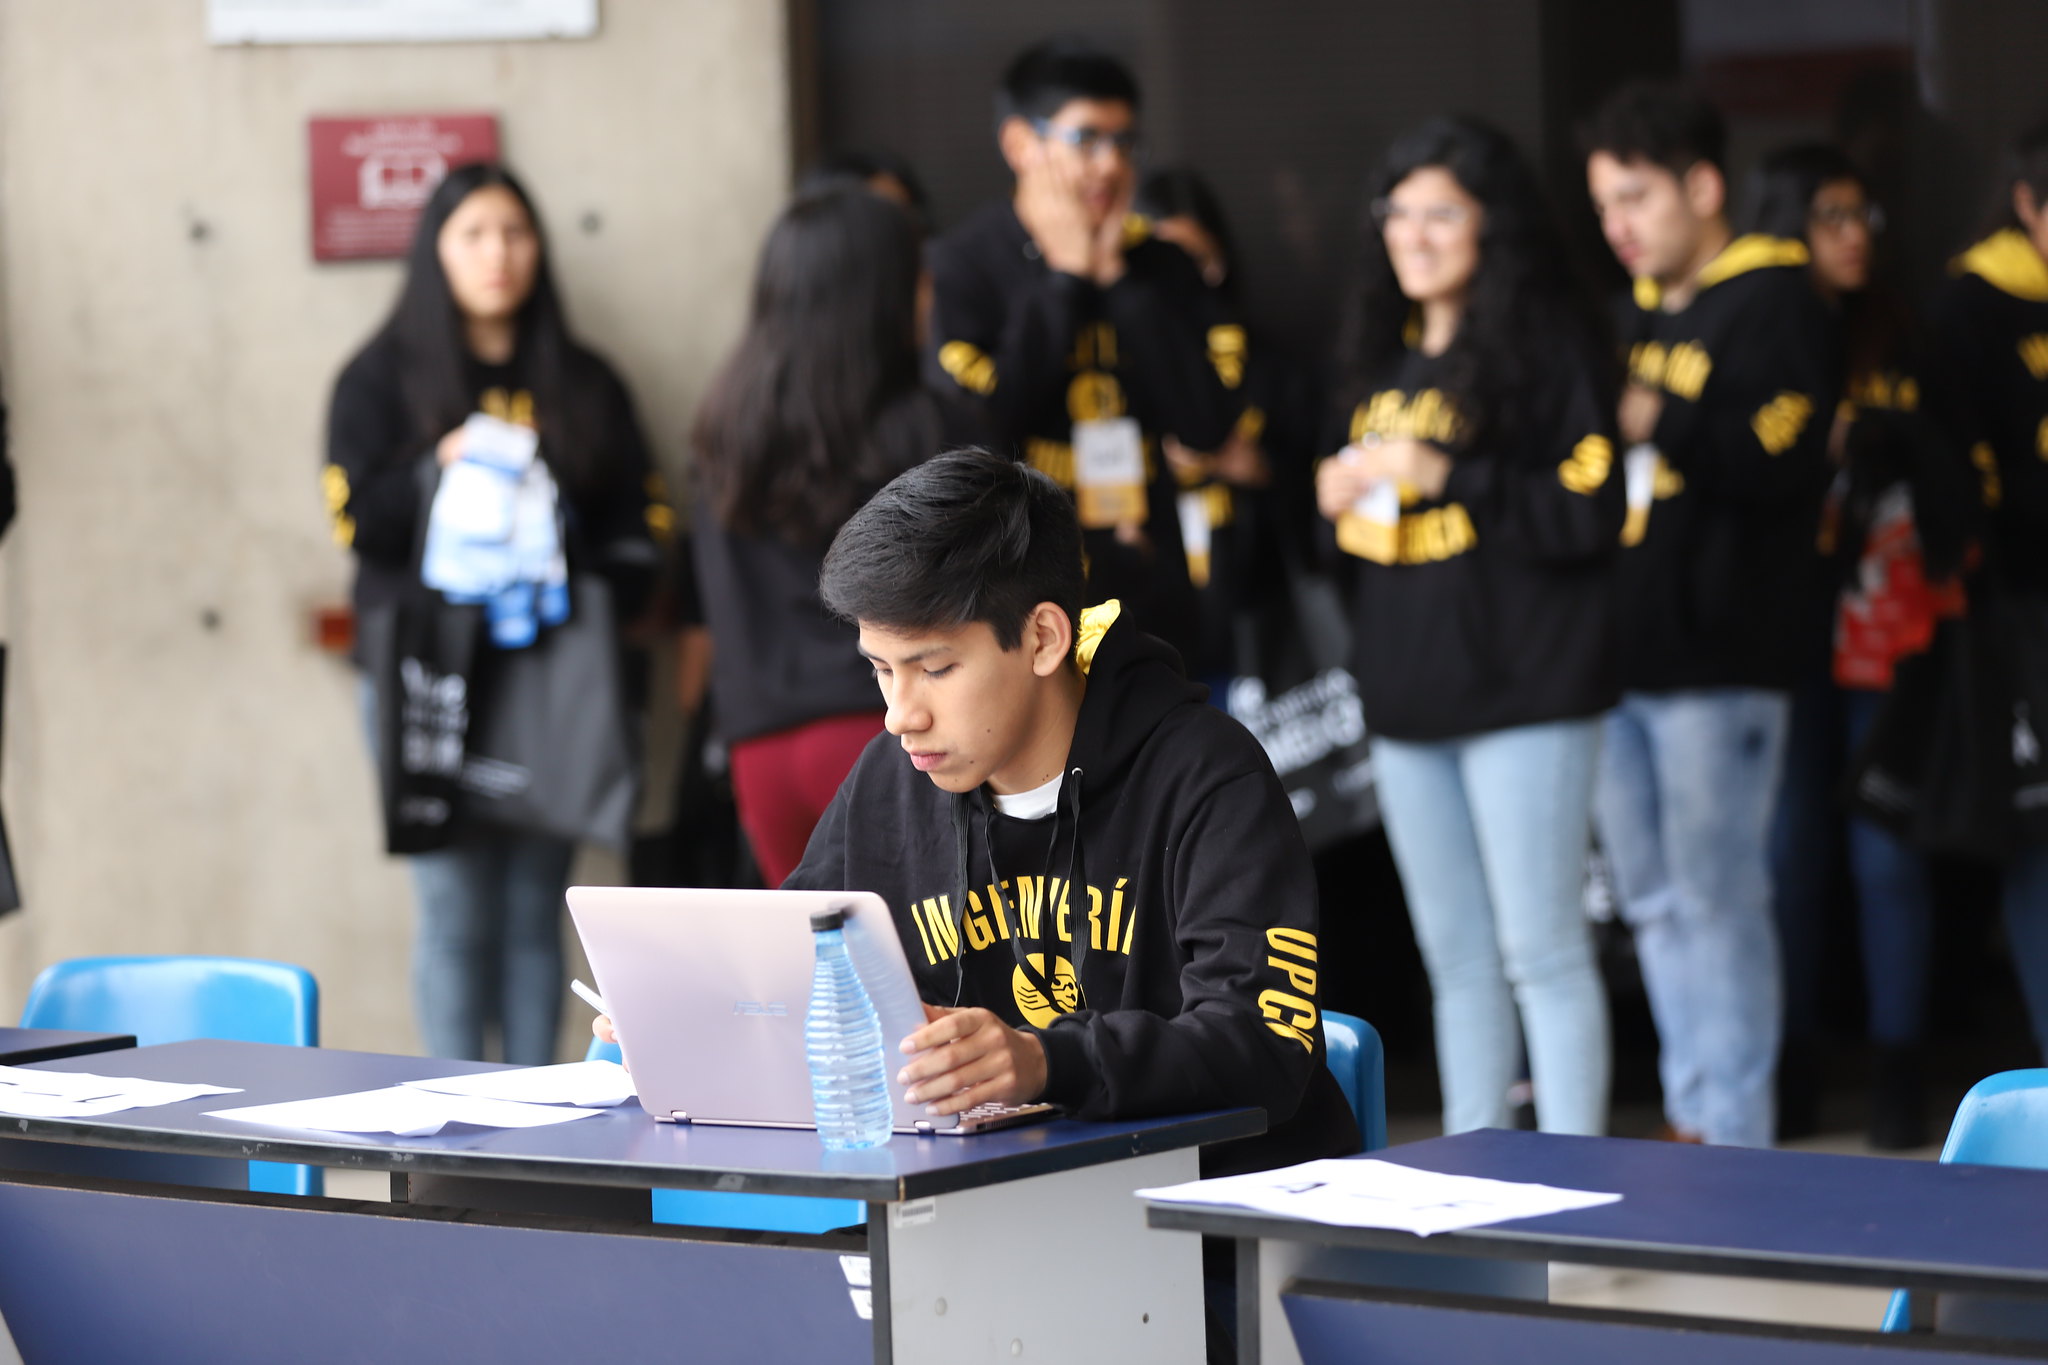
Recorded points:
968,1057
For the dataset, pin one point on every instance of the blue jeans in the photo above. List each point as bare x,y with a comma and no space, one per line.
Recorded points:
2025,900
1894,907
1687,781
1490,835
487,943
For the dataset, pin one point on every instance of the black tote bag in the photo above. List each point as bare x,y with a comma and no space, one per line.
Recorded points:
552,750
420,655
1954,762
1295,693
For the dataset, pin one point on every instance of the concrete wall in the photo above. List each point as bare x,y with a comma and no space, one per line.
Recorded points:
184,771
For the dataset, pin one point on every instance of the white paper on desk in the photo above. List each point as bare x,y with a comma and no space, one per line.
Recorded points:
1380,1194
28,1093
596,1084
401,1110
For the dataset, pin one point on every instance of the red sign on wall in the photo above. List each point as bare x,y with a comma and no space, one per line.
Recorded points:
371,176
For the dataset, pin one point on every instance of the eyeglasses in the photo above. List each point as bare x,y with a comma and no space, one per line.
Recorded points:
1835,217
1089,141
1386,213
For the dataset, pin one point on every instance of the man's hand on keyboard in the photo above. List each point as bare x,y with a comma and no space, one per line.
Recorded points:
969,1057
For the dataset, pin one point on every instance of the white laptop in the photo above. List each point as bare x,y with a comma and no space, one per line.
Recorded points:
708,990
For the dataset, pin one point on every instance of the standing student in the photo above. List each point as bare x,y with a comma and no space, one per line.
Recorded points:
1479,508
819,405
478,328
1989,388
1085,340
1893,529
1227,524
1725,421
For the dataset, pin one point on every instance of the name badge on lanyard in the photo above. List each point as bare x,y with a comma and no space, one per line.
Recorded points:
1639,473
1109,472
1194,534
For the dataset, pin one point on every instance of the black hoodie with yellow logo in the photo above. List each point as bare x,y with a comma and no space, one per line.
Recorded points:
1040,351
1720,568
1491,605
1158,930
1988,388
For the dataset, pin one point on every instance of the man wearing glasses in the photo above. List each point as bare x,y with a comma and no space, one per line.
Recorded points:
1084,339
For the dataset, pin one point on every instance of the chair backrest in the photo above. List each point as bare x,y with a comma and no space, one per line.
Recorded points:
1358,1060
601,1051
171,999
2003,1121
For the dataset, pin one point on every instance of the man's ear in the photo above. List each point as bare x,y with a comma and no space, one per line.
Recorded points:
1706,189
1019,144
1049,635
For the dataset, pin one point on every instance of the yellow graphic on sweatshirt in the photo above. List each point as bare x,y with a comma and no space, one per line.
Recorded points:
1680,369
1032,1003
514,406
1777,424
970,367
1292,1014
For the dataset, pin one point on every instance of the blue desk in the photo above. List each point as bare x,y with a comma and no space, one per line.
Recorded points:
1027,1237
1869,1221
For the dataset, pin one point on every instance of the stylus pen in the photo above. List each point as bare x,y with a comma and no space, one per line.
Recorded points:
590,997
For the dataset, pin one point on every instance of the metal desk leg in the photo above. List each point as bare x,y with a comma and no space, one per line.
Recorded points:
1057,1267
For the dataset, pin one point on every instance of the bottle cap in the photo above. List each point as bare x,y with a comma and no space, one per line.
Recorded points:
822,920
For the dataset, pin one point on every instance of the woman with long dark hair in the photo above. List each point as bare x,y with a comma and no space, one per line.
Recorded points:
819,405
1894,526
1479,510
478,328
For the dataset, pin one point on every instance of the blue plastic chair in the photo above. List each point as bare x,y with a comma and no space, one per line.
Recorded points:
172,999
1360,1064
2003,1121
757,1212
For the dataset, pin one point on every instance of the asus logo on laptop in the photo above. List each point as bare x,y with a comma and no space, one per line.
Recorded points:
759,1008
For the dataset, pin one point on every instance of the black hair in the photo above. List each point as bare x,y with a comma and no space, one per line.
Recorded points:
1044,79
820,402
426,328
1179,192
966,536
1525,302
1782,187
1875,320
838,169
2025,163
1662,122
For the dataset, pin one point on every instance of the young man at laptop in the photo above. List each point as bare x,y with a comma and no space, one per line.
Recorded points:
1099,882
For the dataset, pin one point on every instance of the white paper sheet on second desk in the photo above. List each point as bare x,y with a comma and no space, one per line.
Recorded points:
1380,1194
594,1084
28,1093
402,1111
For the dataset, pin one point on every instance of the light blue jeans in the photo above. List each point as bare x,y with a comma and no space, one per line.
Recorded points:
1490,834
487,942
1688,781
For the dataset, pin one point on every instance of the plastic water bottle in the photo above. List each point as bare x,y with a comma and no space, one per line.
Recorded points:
843,1040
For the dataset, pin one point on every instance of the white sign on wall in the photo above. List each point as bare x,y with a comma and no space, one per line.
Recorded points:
396,21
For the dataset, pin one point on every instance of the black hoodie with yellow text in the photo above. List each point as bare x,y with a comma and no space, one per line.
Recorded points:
1492,604
1988,388
1039,351
1720,564
1158,930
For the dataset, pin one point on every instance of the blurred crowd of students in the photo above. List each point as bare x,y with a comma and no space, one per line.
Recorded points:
1642,572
